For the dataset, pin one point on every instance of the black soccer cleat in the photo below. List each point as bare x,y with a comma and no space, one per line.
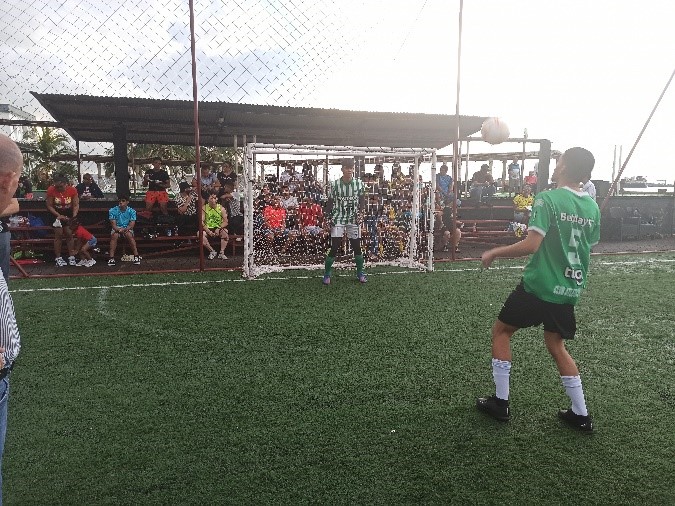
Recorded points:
579,422
496,408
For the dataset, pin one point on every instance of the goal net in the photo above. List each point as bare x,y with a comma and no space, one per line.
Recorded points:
293,180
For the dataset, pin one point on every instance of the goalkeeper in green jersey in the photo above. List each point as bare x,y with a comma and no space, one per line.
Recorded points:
346,202
564,225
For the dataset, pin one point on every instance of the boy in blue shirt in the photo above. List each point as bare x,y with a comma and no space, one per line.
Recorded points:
122,219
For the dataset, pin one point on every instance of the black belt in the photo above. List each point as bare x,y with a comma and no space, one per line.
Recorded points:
6,370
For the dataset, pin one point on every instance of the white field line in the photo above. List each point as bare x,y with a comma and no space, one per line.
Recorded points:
102,303
284,278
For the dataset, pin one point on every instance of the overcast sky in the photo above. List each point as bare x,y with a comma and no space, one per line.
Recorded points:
584,73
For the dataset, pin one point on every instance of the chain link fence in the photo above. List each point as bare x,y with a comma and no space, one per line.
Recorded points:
248,51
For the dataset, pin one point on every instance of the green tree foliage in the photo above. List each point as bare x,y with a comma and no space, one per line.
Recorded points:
182,153
41,161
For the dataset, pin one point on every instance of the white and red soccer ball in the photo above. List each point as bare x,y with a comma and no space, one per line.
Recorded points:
494,131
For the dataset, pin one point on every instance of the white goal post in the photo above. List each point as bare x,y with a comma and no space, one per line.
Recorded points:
251,180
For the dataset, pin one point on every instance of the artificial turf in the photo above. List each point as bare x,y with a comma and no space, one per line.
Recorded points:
203,389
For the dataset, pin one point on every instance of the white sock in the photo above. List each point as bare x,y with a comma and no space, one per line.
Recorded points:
575,392
500,372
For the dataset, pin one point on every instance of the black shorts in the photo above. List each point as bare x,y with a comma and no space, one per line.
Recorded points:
522,309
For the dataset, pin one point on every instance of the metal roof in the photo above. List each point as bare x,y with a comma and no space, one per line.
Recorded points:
151,121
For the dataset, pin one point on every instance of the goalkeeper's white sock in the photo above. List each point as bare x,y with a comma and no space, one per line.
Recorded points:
575,392
501,370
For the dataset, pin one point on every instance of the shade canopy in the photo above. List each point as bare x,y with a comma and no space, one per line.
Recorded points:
150,121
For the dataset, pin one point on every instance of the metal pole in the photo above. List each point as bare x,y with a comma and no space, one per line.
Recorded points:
614,164
195,100
414,222
522,162
466,171
236,158
618,176
432,215
455,148
79,162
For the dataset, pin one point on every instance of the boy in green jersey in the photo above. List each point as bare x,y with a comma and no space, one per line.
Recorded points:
564,225
346,201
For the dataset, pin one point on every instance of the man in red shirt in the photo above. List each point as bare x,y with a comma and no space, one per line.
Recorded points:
310,215
64,203
275,225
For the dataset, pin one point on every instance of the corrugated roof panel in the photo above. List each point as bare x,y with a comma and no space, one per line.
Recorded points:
92,119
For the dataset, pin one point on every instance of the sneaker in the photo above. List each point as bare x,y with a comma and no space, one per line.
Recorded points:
496,408
90,263
362,277
579,422
111,262
222,256
137,260
212,255
72,260
81,263
60,262
326,280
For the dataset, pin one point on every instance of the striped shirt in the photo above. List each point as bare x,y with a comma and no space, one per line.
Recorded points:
9,332
345,200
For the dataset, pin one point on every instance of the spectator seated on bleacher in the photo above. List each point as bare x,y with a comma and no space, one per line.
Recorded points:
264,198
290,203
186,205
290,177
215,225
64,203
522,205
482,184
226,176
310,218
88,189
25,188
275,226
208,180
233,206
122,220
158,181
374,214
312,188
450,235
444,186
392,240
531,180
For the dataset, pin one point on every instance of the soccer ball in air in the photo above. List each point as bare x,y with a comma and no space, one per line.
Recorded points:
494,131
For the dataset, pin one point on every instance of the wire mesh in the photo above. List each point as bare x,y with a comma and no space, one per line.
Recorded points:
248,51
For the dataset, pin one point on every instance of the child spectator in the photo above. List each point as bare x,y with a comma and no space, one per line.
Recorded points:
522,205
85,242
215,225
123,220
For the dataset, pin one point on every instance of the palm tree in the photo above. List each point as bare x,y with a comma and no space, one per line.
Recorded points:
45,144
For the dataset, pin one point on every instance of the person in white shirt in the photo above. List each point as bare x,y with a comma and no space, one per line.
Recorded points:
589,188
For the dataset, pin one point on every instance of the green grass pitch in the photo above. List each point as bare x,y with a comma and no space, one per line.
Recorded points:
205,389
